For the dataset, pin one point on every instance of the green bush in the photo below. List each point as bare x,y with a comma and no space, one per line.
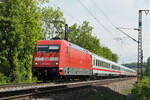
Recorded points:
3,79
141,90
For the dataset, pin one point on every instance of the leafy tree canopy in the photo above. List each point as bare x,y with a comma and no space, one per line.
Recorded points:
20,30
82,36
52,22
147,72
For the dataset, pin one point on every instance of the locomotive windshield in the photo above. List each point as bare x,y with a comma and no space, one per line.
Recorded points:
48,48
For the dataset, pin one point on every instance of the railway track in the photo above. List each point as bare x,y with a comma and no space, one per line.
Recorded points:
30,89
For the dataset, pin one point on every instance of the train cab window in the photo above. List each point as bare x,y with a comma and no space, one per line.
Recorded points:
42,48
53,48
48,48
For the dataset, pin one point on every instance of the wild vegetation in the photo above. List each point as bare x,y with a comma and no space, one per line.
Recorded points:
141,90
20,29
22,23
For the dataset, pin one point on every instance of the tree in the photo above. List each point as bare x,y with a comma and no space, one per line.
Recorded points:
141,90
147,72
82,36
114,57
107,53
20,29
52,22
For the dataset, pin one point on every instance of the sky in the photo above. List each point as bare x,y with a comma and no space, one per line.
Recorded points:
104,16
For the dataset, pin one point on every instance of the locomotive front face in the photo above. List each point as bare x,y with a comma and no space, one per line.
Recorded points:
46,60
47,56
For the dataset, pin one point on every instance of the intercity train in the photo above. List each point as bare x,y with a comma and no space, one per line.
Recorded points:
60,59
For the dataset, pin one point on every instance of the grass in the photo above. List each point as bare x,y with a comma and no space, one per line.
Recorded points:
127,91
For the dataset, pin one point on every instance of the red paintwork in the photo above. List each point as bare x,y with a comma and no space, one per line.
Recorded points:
74,58
79,59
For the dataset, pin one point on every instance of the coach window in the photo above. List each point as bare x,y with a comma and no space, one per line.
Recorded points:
104,64
93,62
108,65
101,63
98,63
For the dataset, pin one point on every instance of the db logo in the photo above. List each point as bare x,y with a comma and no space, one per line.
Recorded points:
46,58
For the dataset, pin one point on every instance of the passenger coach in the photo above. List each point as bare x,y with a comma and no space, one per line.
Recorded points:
104,67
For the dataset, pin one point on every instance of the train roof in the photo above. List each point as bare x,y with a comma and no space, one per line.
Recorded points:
49,41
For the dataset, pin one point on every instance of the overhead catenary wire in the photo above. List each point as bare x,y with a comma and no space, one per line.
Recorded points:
97,20
117,28
108,19
113,25
126,34
66,13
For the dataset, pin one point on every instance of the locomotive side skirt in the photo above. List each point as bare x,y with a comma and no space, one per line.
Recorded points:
76,71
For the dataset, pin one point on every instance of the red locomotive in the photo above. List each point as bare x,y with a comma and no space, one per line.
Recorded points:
55,59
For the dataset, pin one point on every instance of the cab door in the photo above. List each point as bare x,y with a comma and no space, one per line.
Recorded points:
67,53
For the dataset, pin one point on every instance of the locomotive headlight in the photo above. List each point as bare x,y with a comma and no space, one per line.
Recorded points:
56,63
37,63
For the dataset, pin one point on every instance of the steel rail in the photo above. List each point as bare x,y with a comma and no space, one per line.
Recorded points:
50,87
